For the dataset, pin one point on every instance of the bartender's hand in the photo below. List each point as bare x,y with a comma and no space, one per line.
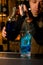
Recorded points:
4,32
25,8
22,9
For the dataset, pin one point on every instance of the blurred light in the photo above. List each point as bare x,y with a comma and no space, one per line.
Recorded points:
2,14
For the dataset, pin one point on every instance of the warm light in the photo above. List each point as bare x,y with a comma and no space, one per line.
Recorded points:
9,19
2,14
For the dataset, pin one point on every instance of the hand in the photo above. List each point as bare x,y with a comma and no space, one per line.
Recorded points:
21,10
4,32
25,8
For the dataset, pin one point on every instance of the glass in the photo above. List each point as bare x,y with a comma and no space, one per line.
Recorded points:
25,45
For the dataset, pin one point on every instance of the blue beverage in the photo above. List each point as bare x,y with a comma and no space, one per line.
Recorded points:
25,45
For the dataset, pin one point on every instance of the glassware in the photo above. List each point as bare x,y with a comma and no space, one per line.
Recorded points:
25,45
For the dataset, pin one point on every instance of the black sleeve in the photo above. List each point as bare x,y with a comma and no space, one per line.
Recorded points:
20,22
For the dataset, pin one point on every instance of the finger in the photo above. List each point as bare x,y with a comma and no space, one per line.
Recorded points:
3,35
20,10
4,32
4,28
25,8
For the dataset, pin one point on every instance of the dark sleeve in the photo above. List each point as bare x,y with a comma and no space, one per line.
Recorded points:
20,22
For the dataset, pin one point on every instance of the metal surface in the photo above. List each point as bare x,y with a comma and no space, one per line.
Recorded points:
11,58
19,61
